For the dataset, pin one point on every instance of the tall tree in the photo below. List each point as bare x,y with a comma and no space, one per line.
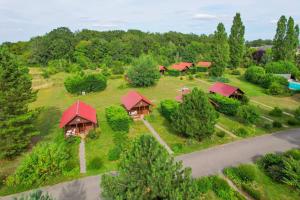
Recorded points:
290,41
279,40
237,41
148,172
195,116
16,120
220,51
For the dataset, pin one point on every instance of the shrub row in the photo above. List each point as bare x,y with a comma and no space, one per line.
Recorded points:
168,107
225,105
117,118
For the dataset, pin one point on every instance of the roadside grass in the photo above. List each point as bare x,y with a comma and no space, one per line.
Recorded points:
262,184
180,144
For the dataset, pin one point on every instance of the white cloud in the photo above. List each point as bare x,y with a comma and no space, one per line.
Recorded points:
204,17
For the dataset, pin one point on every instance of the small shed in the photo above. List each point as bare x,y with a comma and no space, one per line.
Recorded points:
78,119
136,104
162,69
182,67
204,64
226,90
183,91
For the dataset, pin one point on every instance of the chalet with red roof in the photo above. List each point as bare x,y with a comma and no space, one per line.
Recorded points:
162,69
182,67
204,64
78,119
226,90
136,104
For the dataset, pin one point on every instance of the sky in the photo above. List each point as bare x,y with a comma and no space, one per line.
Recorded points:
22,19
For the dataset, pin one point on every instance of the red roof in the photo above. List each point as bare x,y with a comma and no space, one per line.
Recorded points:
204,64
223,89
184,91
162,68
132,98
78,109
181,66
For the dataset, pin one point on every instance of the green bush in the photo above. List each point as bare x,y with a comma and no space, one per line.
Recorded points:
77,84
282,67
191,77
223,190
219,79
225,105
248,114
277,124
177,147
242,132
221,134
172,72
276,112
254,193
246,173
35,195
255,74
236,72
117,118
95,163
72,140
204,184
297,113
114,153
168,107
293,122
93,134
245,100
294,153
47,160
276,89
268,126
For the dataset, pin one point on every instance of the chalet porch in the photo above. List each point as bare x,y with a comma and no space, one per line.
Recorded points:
78,129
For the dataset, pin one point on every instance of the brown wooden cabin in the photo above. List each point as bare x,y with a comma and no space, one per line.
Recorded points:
136,104
78,119
226,90
162,70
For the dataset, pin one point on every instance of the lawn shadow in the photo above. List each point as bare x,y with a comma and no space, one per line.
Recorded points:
75,190
47,120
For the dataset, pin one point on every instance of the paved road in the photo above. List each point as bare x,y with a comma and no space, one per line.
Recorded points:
205,162
213,160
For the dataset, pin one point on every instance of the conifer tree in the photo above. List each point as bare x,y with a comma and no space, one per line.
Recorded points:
16,120
148,172
237,41
290,41
220,51
279,40
195,116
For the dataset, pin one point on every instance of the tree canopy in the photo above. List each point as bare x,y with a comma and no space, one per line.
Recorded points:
147,171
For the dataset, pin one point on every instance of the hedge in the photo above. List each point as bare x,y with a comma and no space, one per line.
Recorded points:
168,107
172,72
282,67
117,118
226,105
79,83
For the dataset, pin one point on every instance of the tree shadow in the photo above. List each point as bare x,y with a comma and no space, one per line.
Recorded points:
47,120
73,191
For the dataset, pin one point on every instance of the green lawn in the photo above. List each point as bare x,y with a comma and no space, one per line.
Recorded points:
269,189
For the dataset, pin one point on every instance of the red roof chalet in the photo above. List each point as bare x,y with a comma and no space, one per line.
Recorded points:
136,104
184,91
204,64
183,66
162,69
226,90
78,118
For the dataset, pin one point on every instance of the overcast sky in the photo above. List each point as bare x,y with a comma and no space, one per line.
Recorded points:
23,19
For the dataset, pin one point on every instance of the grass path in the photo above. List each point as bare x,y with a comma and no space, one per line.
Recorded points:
270,107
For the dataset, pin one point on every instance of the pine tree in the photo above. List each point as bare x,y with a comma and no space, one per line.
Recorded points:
237,41
148,172
220,51
16,120
279,40
195,116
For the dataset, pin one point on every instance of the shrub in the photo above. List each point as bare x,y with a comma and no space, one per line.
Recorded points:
282,67
95,163
172,72
246,173
114,153
226,105
77,84
297,113
277,124
294,153
47,160
276,89
204,184
177,147
168,107
245,100
35,195
255,74
254,193
93,134
276,112
248,114
72,140
268,126
118,69
191,77
236,72
242,132
293,122
117,118
221,134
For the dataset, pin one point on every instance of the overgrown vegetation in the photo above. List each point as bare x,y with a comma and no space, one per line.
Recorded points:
117,118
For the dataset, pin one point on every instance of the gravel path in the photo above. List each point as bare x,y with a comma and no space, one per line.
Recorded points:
82,157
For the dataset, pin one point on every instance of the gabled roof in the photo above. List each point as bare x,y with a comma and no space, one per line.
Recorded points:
132,98
78,109
204,64
162,68
181,66
223,89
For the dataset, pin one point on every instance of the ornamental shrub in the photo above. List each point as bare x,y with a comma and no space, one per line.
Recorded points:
225,105
95,163
168,107
117,118
255,74
76,84
248,114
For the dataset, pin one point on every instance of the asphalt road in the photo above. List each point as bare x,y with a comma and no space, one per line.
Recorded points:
205,162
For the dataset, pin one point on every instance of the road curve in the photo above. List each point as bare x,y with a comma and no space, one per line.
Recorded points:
205,162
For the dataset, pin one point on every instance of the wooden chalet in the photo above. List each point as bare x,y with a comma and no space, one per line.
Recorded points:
162,70
204,64
182,67
78,119
136,104
226,90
